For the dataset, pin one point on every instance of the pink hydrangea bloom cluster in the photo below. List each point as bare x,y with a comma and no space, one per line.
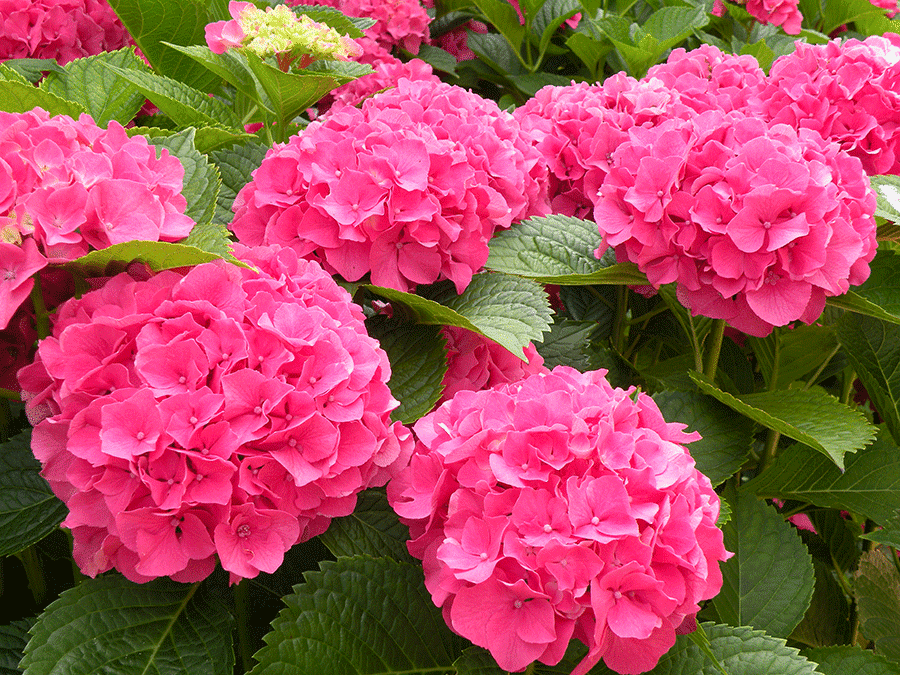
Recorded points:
560,507
226,413
577,127
62,30
475,362
68,186
409,187
388,72
784,13
757,223
847,91
398,23
456,40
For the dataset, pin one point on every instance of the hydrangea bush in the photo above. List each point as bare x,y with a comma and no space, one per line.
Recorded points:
418,337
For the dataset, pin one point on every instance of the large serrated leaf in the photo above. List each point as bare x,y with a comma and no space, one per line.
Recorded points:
113,625
768,582
29,510
478,661
30,70
725,445
373,529
740,651
559,250
13,638
104,95
827,620
367,616
230,66
509,310
879,296
236,164
504,18
184,104
870,485
873,348
811,417
847,660
418,364
201,178
20,97
877,590
565,344
345,25
183,22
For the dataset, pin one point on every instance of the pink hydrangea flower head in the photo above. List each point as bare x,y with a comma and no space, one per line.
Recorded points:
67,187
456,40
846,91
757,224
409,187
398,23
784,13
223,413
475,362
577,127
558,506
62,30
388,72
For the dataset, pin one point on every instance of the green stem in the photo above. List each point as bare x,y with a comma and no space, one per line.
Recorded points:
715,347
242,614
695,343
621,311
42,318
811,381
10,394
771,449
32,564
848,387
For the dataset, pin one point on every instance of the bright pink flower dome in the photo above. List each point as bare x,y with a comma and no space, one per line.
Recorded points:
62,30
225,413
848,92
558,506
409,188
757,224
68,187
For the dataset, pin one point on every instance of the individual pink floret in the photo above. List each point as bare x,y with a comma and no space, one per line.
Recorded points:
221,413
62,30
558,507
408,188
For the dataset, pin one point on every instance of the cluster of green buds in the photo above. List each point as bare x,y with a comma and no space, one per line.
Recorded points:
278,32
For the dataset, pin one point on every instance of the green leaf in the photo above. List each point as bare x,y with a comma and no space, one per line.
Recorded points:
418,364
102,93
827,621
201,179
29,510
811,417
559,250
13,638
478,661
158,255
360,615
870,485
153,22
504,18
761,52
550,17
373,529
887,192
740,651
672,25
847,660
726,440
835,14
768,582
231,67
840,536
112,625
564,344
236,164
889,534
873,348
881,290
802,351
350,26
438,58
32,70
20,97
184,104
292,93
7,73
495,51
591,51
510,311
877,590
